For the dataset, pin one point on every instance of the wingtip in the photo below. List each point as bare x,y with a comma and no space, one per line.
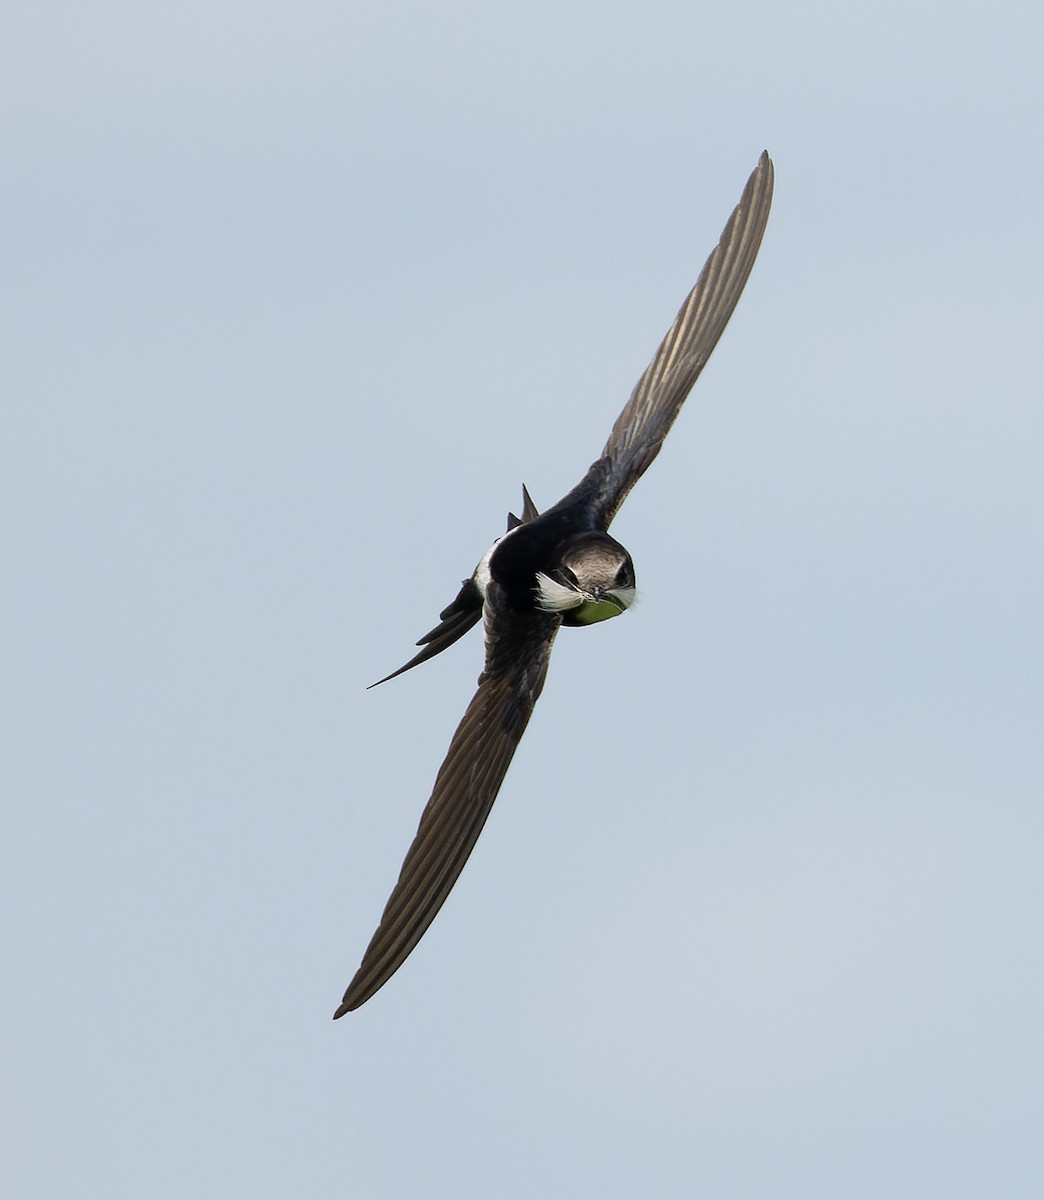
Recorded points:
378,683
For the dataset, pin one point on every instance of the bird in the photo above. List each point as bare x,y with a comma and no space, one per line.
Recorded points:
549,569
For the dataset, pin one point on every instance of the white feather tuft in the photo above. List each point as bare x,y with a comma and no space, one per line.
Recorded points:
553,596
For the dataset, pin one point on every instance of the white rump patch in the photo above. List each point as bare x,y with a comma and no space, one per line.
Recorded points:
481,576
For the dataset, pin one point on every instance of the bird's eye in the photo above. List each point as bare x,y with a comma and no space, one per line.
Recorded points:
623,576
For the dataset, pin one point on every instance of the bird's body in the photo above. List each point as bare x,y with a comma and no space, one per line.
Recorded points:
559,567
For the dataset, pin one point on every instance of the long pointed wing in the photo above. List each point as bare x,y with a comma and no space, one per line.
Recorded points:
518,648
658,396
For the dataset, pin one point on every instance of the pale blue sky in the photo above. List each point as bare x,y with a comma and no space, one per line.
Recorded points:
294,298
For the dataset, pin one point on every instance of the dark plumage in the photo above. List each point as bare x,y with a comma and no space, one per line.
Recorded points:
558,567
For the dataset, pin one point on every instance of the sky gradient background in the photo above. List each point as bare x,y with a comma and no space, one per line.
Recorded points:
294,299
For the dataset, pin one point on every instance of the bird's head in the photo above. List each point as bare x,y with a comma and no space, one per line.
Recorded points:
592,581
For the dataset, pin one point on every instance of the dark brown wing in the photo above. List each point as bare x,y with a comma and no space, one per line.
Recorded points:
658,396
518,647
